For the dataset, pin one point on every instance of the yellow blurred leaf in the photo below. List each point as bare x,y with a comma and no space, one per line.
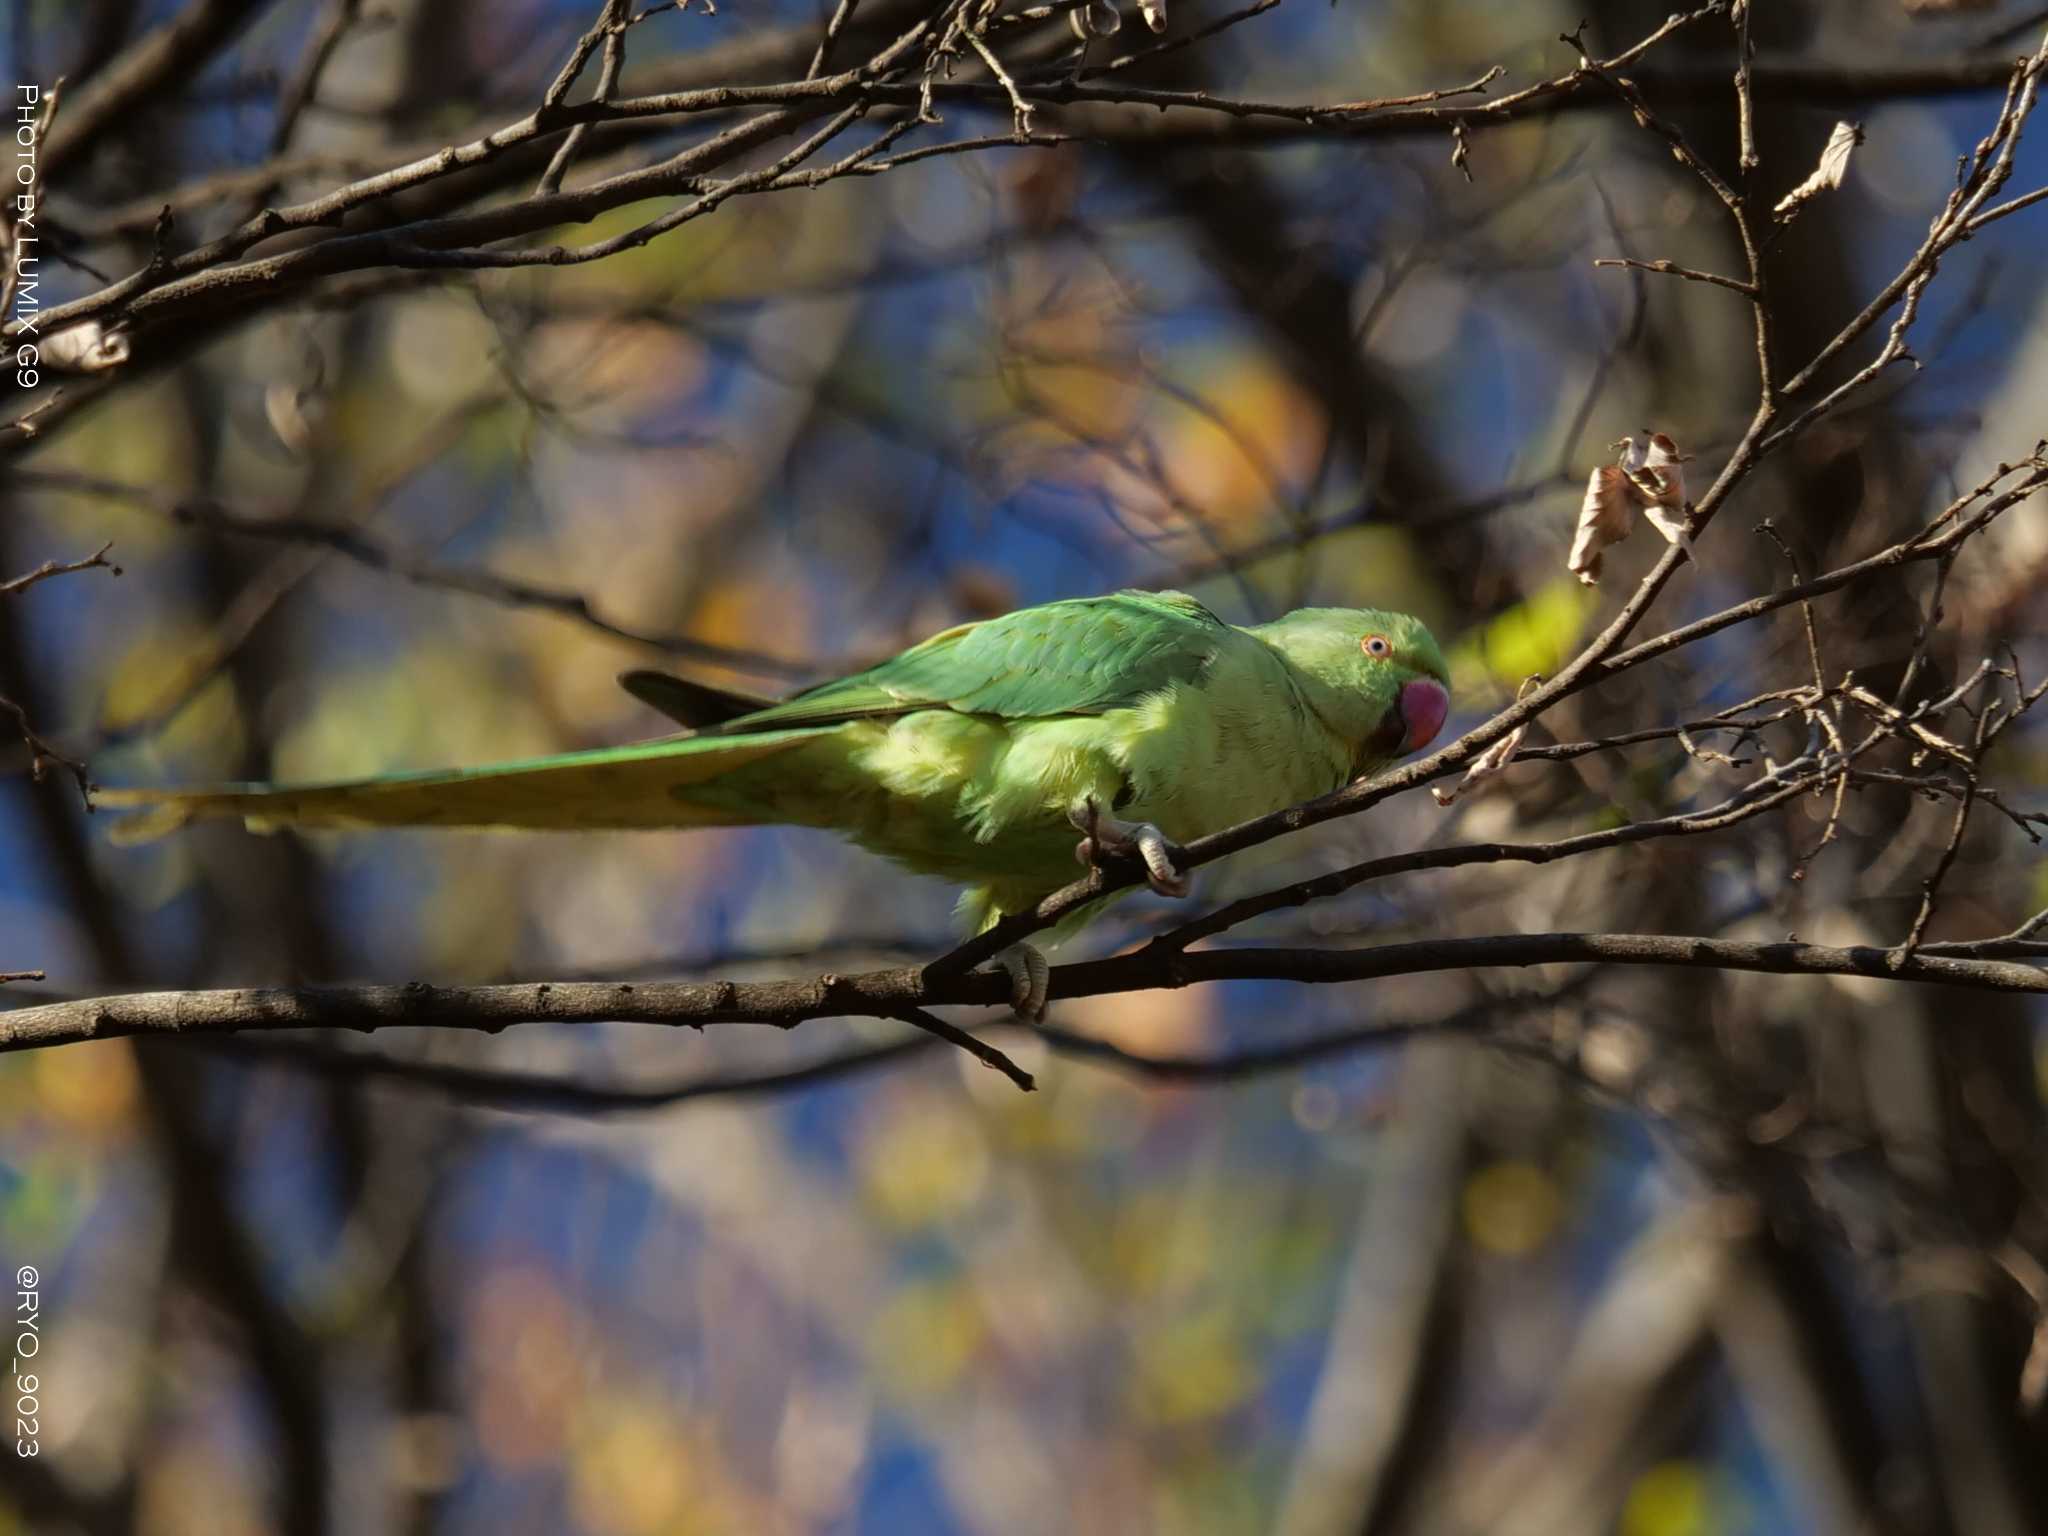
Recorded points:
436,709
159,666
752,247
1192,1367
1538,634
144,443
1669,1499
1141,1242
1511,1208
925,1336
87,1087
922,1160
44,1200
635,1471
1363,567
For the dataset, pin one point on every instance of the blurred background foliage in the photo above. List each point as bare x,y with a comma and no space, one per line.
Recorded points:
1437,1289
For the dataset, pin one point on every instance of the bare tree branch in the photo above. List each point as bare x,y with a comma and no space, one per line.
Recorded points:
891,993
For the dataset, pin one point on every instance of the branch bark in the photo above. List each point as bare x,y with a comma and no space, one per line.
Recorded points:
896,992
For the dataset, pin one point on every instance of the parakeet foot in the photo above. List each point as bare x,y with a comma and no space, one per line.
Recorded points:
1029,975
1105,834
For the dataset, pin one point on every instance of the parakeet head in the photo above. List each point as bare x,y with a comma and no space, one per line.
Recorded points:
1384,684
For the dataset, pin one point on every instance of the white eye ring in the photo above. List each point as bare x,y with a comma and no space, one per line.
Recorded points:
1376,645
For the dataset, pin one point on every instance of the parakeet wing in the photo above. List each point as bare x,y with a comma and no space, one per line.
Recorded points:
1067,658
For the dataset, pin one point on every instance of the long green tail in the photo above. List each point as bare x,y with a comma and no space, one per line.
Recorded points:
639,786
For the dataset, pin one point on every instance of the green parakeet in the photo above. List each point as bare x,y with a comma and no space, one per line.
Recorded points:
1138,719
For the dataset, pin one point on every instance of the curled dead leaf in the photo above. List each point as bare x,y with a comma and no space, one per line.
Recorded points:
1605,516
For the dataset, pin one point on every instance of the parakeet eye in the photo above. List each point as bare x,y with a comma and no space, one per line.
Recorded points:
1376,645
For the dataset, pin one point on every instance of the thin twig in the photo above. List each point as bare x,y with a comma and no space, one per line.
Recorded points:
1672,269
842,13
97,560
979,1049
297,94
611,27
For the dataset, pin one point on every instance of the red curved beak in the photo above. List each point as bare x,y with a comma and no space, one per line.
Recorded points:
1424,705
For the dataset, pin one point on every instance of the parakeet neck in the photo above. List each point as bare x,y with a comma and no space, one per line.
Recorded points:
1359,712
1358,717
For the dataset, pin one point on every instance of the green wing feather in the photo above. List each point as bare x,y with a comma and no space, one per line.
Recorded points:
1078,657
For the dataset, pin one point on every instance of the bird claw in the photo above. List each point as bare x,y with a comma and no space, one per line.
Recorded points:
1105,834
1030,978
